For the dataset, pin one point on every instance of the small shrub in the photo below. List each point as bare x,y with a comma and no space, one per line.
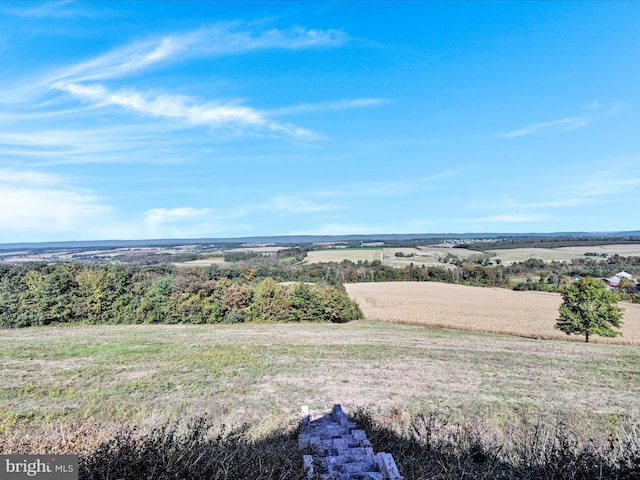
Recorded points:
234,317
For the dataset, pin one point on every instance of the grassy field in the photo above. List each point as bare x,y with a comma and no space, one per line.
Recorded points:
339,254
562,253
387,255
497,310
461,253
624,249
511,255
507,256
55,378
433,259
201,262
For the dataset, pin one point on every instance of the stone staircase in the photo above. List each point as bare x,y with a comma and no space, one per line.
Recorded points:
340,451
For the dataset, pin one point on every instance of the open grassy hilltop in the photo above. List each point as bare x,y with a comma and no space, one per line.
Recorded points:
265,372
440,388
435,398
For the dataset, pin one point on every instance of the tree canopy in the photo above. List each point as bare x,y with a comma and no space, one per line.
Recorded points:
43,294
589,308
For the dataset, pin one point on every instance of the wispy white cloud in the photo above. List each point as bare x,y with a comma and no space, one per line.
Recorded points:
220,39
189,222
367,189
605,185
86,145
79,80
29,109
123,61
563,125
41,112
391,188
297,205
600,189
32,179
183,108
513,218
54,9
157,216
342,229
595,110
583,194
36,206
329,106
604,109
560,202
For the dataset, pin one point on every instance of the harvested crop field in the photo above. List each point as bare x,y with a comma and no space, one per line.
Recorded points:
494,310
627,249
202,262
340,254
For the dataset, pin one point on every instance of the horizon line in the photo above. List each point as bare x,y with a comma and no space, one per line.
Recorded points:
336,237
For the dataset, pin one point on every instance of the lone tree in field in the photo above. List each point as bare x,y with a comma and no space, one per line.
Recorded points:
588,308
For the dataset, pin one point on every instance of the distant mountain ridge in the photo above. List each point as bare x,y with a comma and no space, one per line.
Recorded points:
293,239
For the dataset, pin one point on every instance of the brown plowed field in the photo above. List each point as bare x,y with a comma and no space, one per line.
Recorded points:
492,310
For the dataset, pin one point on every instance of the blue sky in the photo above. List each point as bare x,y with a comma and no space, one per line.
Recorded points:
134,120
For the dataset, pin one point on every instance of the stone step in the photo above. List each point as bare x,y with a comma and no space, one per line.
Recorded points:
341,451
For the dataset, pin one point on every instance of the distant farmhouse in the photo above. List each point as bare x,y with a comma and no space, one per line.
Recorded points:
617,278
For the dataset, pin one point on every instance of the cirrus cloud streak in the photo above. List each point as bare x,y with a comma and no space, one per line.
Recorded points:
182,108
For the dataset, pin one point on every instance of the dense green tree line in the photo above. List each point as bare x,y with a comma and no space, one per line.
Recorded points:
44,294
240,256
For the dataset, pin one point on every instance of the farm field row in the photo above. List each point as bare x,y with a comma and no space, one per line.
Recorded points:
387,255
529,314
506,256
52,378
563,253
202,262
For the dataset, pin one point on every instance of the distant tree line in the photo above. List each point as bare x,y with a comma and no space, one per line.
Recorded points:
60,293
252,290
240,256
532,274
548,242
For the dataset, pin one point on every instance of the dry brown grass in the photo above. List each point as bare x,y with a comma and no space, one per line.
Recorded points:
58,438
492,310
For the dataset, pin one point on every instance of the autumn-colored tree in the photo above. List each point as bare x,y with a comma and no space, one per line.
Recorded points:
270,302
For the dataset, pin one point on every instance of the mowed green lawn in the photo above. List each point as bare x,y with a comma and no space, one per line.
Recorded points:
263,373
